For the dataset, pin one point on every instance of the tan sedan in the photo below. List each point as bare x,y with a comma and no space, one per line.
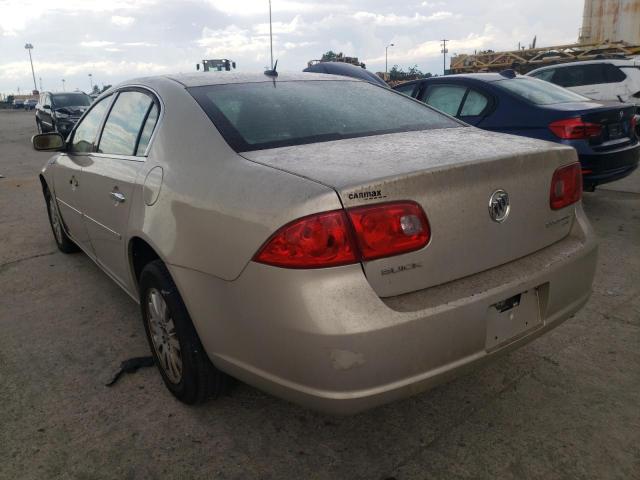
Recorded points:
325,239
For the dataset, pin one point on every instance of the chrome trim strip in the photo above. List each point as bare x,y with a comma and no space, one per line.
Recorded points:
105,227
68,206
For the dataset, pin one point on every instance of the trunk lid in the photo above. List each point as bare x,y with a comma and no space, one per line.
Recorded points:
451,173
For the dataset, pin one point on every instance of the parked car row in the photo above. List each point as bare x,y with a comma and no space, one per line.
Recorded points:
325,239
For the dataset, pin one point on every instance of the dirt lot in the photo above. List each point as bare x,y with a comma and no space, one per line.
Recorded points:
565,406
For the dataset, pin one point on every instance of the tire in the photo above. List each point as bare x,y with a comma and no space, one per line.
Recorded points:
177,351
64,243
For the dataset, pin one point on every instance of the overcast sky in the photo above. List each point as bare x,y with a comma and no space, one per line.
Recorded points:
117,39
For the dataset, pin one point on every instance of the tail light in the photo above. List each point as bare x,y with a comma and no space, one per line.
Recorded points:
575,129
634,122
342,237
566,186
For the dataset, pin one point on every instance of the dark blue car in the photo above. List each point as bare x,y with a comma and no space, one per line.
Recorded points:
603,133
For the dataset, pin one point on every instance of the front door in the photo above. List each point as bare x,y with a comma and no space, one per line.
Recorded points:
110,178
68,181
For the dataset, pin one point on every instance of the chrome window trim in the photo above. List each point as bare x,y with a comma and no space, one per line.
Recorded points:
160,103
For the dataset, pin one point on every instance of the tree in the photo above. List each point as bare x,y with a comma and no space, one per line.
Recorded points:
329,56
96,89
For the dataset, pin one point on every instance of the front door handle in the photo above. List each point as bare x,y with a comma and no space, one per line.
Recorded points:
118,196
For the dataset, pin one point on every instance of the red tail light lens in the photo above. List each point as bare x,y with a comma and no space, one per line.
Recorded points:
339,238
566,186
389,229
575,129
322,240
634,123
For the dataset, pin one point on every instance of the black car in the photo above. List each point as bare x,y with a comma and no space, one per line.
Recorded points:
59,112
603,133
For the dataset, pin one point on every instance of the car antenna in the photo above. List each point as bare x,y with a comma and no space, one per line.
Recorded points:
273,72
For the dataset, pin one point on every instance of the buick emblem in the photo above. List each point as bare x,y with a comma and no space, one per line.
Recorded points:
499,206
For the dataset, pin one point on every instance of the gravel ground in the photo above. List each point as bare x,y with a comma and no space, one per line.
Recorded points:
565,406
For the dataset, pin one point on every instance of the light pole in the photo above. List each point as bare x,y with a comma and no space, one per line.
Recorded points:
29,47
444,52
63,85
91,81
40,79
386,57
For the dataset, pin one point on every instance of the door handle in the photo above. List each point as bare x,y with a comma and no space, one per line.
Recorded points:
118,196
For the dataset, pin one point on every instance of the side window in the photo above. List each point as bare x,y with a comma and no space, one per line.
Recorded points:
614,74
147,130
87,130
406,89
581,75
546,75
121,130
446,98
474,104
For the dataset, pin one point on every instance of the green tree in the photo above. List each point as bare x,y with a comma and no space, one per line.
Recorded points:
329,56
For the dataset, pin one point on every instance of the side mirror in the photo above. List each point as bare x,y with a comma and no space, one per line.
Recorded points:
48,142
47,107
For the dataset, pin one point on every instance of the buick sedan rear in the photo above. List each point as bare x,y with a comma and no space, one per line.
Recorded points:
327,240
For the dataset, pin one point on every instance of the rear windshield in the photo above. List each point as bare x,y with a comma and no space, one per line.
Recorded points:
539,91
255,116
70,100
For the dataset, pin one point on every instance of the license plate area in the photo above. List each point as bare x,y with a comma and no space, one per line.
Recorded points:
615,131
511,318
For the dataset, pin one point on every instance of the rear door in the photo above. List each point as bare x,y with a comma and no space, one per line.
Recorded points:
67,172
111,175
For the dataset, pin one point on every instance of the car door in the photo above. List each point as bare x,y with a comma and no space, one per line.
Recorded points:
588,80
46,114
111,177
67,173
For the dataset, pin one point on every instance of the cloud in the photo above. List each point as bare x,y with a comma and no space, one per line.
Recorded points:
261,7
122,21
231,41
139,44
393,20
96,44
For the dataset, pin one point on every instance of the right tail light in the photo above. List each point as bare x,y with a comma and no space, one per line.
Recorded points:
566,186
575,129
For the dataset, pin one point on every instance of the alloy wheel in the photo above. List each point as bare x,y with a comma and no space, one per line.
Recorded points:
163,335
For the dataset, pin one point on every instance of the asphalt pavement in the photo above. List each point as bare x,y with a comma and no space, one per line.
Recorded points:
566,406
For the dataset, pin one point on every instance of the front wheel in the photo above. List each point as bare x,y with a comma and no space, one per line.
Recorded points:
178,353
64,243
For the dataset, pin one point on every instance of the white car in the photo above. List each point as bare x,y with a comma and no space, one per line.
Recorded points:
598,79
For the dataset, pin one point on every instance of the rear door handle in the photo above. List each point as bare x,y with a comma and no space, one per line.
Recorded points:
118,196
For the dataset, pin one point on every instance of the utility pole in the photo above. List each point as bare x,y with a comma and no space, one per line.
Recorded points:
444,52
386,58
40,79
29,47
91,82
63,85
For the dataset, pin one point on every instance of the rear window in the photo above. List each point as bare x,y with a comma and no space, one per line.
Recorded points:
255,116
539,92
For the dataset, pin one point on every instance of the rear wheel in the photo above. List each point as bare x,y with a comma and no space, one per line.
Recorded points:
64,243
178,353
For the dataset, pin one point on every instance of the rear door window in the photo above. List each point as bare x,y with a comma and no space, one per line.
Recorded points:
546,75
406,89
122,128
446,98
614,74
580,75
474,104
147,130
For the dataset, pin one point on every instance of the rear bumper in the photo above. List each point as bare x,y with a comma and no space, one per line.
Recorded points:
610,166
322,338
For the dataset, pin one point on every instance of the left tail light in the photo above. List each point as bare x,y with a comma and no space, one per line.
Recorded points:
566,186
575,129
342,237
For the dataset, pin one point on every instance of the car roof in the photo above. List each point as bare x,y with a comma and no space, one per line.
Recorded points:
614,61
199,79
